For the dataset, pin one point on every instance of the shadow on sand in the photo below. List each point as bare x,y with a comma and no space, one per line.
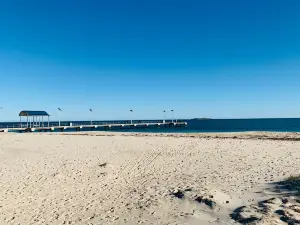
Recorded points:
283,207
287,188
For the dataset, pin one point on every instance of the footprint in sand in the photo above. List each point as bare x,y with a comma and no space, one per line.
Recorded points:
102,165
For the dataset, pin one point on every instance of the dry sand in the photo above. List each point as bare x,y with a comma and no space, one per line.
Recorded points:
118,178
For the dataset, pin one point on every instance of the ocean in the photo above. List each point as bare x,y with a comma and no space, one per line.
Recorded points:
231,125
199,125
235,125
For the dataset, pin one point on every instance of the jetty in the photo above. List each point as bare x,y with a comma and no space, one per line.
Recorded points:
35,123
86,127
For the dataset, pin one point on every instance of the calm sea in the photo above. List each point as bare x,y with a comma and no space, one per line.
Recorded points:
211,125
232,125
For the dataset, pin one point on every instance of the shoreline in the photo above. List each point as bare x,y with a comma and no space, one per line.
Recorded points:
253,135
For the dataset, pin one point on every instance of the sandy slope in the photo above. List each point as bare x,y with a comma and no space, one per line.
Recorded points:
93,178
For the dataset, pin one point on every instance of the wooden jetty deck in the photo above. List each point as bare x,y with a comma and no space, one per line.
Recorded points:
104,126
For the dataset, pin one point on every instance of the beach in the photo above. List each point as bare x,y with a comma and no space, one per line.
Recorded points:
136,178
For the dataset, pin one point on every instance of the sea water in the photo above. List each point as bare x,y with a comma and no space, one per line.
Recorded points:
203,125
230,125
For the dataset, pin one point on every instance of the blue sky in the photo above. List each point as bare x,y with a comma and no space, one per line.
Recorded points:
220,59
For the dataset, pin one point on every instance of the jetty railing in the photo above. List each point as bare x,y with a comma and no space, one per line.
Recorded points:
17,125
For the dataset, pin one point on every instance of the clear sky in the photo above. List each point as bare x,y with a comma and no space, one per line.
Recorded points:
219,59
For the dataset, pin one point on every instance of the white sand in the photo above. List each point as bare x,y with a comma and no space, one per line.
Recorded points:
116,178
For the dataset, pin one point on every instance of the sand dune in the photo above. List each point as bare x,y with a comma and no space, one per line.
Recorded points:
118,178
